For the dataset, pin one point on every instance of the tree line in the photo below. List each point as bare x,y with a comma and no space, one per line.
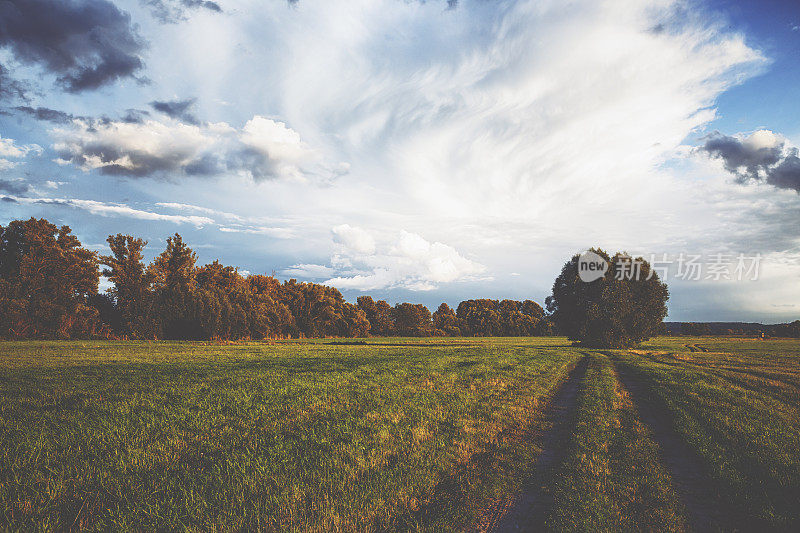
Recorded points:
49,289
791,329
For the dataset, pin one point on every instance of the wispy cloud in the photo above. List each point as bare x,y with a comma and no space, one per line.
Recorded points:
115,209
9,149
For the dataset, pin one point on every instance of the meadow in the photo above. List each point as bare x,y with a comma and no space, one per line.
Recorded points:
403,434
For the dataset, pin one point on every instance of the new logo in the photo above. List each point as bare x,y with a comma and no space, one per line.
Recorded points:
591,266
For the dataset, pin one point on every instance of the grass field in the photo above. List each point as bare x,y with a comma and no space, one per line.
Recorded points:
400,434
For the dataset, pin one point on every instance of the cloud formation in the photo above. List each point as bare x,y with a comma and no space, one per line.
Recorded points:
762,156
405,260
173,11
263,149
355,239
178,109
86,44
11,89
11,150
14,187
108,209
46,114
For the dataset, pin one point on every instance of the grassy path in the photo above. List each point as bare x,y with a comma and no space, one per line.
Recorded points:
735,410
525,512
599,469
689,474
612,478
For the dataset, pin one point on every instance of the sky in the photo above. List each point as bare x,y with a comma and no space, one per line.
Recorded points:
419,151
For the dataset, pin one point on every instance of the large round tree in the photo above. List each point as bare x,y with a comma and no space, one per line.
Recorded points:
623,306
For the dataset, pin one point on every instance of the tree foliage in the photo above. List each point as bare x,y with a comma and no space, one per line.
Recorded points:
132,281
49,289
46,281
622,308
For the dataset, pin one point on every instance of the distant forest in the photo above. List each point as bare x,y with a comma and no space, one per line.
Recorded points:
791,329
49,289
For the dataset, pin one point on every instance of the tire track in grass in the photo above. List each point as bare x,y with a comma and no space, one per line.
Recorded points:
697,491
528,510
694,348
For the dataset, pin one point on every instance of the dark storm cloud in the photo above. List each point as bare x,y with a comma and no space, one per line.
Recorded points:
172,11
139,163
13,187
11,89
786,174
451,4
775,164
179,109
8,200
86,43
170,165
46,114
134,116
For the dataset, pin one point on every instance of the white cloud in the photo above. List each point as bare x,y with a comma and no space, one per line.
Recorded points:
168,148
516,132
115,209
199,209
354,239
276,232
10,149
308,271
408,261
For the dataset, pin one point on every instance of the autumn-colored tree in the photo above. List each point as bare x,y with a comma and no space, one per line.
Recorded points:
385,324
269,317
46,280
379,315
131,292
174,268
412,320
48,288
445,321
480,317
223,301
175,280
320,311
353,322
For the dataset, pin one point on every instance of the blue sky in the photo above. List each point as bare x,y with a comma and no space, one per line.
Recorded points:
417,151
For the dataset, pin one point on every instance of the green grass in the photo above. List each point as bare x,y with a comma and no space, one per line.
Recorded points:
611,479
738,406
385,434
305,435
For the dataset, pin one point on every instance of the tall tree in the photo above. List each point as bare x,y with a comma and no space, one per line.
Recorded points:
379,315
46,280
174,268
132,284
269,316
445,320
175,280
480,317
